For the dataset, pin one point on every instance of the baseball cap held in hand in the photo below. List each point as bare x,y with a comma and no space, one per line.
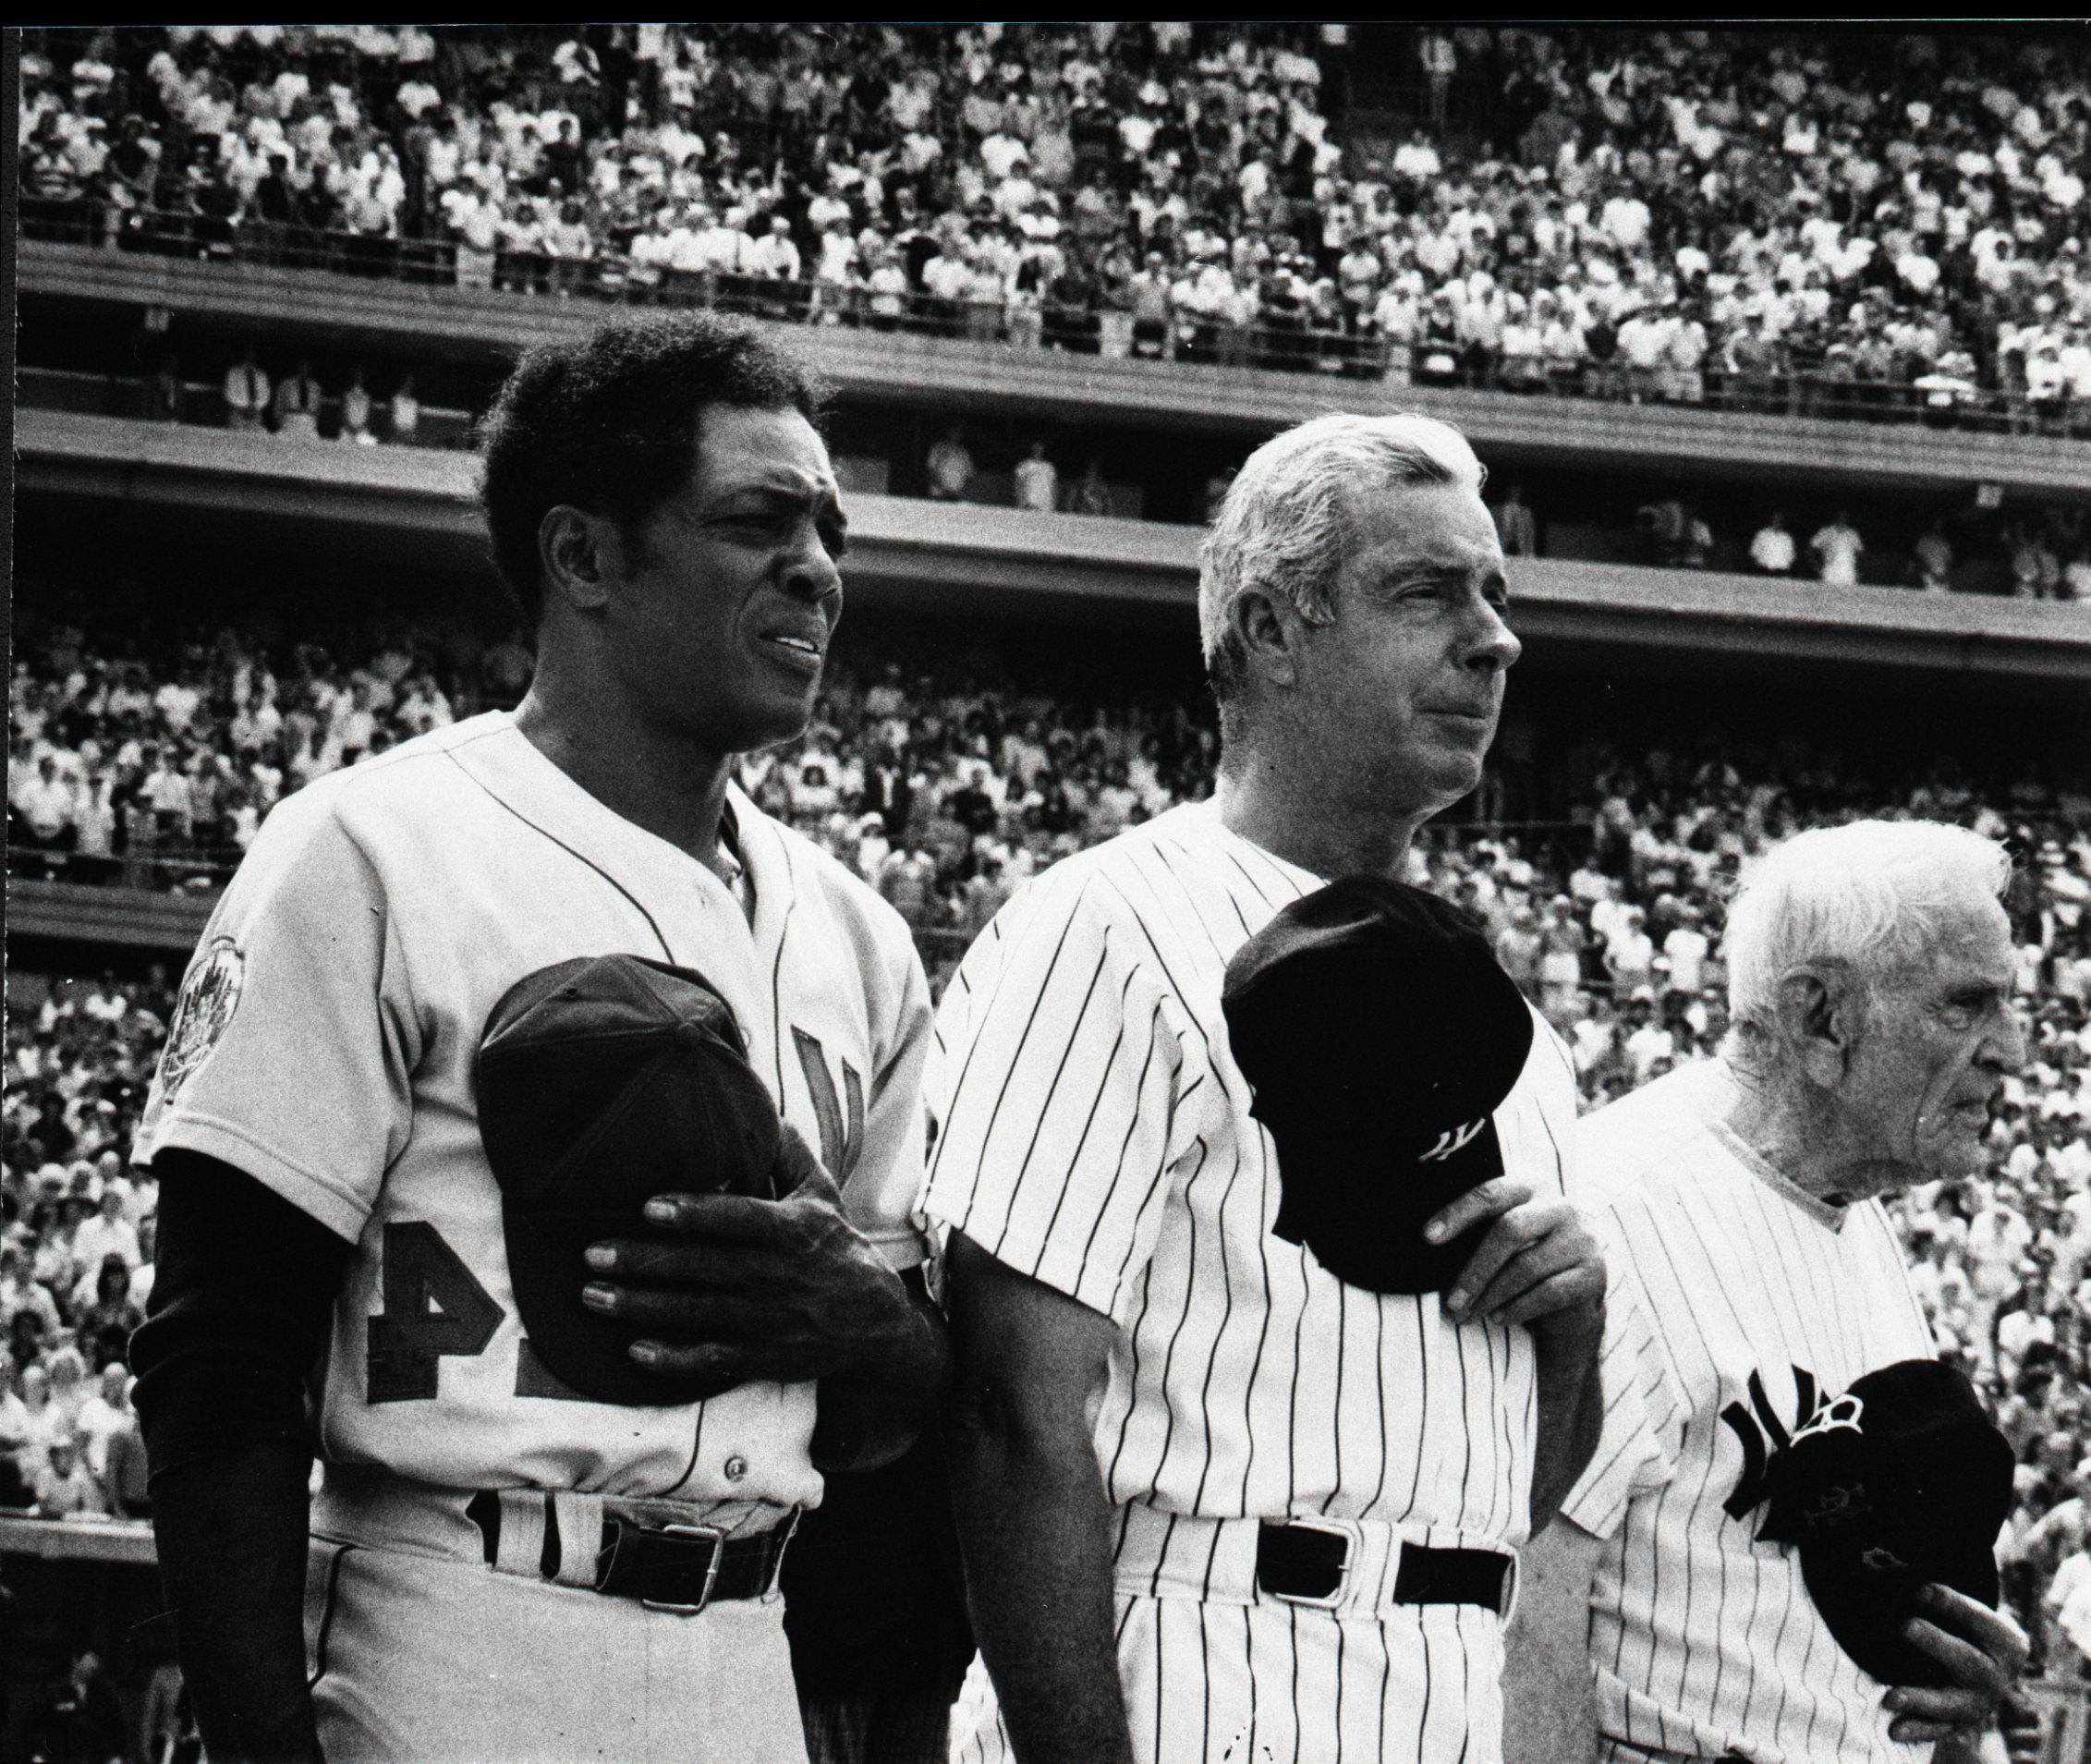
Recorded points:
603,1082
1381,1034
1900,1481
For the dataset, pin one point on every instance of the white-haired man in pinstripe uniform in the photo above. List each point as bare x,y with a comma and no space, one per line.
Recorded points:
1755,1278
1218,1503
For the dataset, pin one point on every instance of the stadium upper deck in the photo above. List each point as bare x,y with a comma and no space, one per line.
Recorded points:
1768,220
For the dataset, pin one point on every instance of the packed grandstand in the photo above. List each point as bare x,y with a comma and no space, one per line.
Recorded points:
1884,230
1831,224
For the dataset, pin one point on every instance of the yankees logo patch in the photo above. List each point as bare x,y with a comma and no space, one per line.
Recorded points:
209,997
1752,1433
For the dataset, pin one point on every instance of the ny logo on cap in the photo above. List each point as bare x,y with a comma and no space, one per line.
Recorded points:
1845,1411
1452,1140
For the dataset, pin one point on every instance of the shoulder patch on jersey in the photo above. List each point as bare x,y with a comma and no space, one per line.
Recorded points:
209,997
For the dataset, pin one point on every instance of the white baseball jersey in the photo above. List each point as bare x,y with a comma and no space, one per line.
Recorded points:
325,1040
1095,1134
1738,1303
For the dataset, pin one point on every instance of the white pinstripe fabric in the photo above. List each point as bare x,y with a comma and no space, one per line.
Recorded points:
1095,1134
1272,1684
1705,1640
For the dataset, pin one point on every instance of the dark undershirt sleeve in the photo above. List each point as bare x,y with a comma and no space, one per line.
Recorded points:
242,1301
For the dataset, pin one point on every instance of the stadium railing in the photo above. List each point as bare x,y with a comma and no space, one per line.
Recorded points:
1347,349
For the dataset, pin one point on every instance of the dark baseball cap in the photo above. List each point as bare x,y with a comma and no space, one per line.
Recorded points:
1381,1034
603,1082
1899,1482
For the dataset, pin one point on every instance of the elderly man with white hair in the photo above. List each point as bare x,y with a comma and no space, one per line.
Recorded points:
1756,1277
1216,1501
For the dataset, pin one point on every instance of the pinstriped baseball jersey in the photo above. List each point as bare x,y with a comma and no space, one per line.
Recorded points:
1271,1684
324,1043
1095,1134
1738,1303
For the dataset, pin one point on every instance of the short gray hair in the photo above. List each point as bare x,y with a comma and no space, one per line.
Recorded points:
1866,896
1283,527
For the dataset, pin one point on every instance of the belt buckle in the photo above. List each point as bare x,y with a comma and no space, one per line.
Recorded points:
712,1534
1352,1538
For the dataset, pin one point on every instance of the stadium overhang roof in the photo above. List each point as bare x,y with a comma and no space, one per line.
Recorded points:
419,503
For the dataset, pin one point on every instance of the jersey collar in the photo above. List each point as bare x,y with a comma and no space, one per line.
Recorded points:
505,762
1785,1188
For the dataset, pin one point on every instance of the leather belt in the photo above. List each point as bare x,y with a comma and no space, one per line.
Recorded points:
1305,1564
1350,1568
650,1551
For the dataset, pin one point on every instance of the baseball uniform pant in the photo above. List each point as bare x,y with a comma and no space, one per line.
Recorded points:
1217,1672
418,1650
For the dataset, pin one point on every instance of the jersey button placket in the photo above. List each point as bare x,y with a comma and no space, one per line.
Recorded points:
737,1468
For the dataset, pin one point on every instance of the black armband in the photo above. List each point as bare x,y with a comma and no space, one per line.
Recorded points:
242,1302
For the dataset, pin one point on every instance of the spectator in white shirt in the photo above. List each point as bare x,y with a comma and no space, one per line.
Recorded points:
950,468
105,1233
298,404
356,407
1038,482
1629,953
774,255
246,393
1837,549
45,803
1687,948
405,412
104,1414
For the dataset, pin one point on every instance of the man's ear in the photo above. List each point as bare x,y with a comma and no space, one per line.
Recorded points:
1265,632
579,554
1819,1009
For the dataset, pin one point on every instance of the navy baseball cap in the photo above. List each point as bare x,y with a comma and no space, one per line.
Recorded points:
601,1083
1900,1481
1381,1034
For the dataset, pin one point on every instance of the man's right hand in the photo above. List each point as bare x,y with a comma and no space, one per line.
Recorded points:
1983,1649
733,1288
1538,1263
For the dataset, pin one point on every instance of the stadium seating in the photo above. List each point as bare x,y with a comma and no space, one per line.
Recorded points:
1761,221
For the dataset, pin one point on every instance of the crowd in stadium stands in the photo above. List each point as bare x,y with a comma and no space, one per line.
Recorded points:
945,791
1848,223
76,1246
138,773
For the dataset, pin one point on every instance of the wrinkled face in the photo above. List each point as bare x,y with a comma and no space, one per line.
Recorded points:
1407,680
1938,1037
732,589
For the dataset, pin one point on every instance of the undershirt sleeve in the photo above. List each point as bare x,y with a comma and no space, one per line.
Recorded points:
242,1305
